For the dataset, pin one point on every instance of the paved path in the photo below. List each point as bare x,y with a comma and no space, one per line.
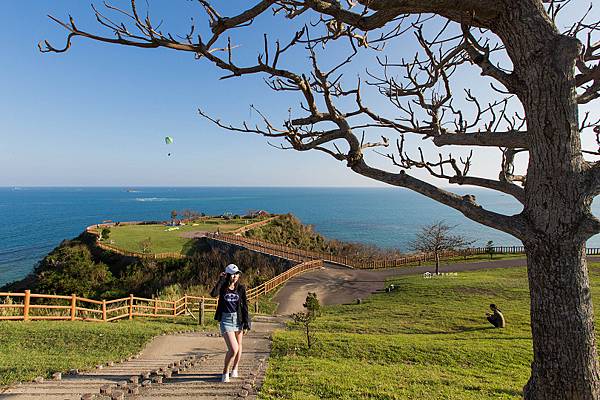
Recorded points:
189,366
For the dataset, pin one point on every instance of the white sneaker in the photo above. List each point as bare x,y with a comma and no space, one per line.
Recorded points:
225,378
234,373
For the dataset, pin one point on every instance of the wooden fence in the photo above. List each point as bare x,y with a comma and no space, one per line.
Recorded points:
300,255
253,225
294,254
28,306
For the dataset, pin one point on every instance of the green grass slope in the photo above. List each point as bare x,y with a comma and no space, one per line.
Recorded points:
166,239
39,348
429,339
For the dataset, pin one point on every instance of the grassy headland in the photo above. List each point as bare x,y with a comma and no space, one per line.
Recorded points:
80,266
428,339
168,239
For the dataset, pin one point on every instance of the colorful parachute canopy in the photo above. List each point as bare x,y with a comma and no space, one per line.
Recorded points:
168,140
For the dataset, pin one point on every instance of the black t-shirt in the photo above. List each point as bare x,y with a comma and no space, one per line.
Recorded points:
231,300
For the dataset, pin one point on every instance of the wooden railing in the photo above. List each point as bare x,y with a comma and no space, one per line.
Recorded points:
156,256
253,225
271,284
294,254
300,255
28,306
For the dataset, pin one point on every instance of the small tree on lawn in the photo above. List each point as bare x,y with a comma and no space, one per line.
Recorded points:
436,239
146,245
489,248
313,310
105,233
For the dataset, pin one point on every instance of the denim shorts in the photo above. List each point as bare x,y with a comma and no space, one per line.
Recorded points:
229,323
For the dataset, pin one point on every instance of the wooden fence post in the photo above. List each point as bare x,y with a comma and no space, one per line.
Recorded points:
73,306
256,305
155,307
131,306
201,316
26,305
104,310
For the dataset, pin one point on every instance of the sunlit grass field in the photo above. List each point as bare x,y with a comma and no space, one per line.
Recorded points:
165,239
427,340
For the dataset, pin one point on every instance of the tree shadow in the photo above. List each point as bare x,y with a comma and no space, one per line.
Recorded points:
195,246
511,392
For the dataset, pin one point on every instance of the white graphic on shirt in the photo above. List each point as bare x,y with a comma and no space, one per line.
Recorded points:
231,297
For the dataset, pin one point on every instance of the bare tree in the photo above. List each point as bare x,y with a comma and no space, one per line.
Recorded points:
516,45
436,238
146,245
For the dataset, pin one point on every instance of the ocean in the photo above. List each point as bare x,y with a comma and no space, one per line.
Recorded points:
34,220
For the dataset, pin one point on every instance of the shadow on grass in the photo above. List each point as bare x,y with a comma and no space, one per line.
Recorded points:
195,246
511,392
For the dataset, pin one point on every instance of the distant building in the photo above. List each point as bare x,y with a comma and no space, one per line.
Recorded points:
259,213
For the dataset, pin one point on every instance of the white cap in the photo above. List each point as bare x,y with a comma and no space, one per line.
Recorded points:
232,269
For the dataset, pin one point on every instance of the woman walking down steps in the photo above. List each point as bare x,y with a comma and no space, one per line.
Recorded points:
232,313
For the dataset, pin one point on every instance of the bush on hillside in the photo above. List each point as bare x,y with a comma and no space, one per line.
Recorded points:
289,231
70,269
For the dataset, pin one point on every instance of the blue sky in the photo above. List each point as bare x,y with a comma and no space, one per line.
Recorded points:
97,115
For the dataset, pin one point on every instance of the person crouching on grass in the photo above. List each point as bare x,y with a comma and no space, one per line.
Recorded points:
232,313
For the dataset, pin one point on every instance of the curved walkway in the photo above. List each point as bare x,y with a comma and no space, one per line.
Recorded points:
339,285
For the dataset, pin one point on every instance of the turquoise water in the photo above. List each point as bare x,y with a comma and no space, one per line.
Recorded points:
35,220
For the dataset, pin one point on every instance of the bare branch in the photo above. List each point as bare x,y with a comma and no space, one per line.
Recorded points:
514,225
512,139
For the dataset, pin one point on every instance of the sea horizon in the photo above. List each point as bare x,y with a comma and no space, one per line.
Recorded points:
37,218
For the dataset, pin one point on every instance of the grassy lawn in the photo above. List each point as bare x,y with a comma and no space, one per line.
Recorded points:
428,339
128,237
39,348
266,303
471,258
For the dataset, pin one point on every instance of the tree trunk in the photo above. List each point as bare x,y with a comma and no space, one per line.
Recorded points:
565,363
556,204
437,263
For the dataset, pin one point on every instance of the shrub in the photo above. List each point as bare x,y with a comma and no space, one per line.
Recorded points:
105,233
70,269
306,318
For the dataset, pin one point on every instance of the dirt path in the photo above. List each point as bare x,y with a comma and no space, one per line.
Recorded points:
339,285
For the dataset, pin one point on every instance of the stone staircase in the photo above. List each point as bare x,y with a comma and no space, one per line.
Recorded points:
183,366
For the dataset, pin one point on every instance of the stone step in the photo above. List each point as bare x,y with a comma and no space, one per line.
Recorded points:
200,380
44,396
195,396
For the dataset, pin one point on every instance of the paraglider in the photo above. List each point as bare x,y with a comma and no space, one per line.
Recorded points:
168,140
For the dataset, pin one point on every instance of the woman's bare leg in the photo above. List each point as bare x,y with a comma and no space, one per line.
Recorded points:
232,349
239,336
